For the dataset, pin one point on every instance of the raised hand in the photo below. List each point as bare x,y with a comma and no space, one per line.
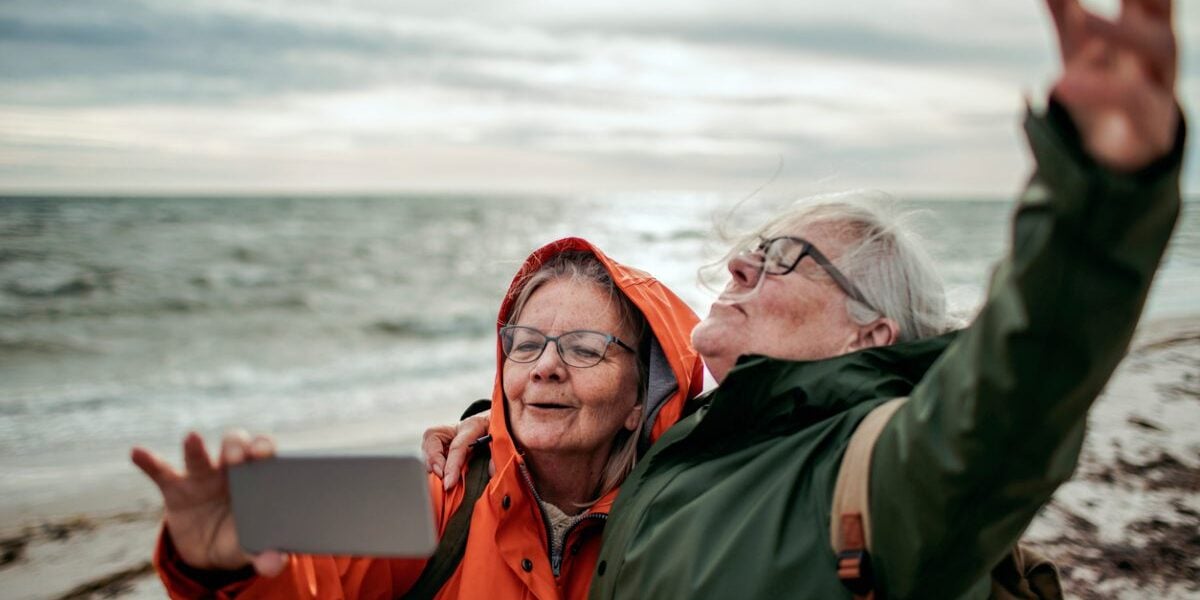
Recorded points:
1118,80
196,502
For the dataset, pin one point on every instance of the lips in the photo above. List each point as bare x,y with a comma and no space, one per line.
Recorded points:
547,406
726,304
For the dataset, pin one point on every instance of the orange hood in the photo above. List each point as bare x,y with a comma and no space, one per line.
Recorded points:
676,372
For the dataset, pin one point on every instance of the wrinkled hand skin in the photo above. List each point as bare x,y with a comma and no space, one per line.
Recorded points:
196,503
447,447
1118,81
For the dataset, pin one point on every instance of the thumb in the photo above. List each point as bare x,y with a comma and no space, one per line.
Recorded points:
270,563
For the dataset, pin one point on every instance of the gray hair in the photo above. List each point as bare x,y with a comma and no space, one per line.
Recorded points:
581,266
881,254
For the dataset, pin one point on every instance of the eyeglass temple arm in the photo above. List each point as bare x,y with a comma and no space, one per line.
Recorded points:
837,276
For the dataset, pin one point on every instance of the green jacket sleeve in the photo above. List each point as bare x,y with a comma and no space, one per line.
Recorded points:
998,423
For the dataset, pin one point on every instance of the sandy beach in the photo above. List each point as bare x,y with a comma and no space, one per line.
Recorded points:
1126,526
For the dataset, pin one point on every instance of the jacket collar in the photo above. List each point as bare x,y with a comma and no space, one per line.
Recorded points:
763,393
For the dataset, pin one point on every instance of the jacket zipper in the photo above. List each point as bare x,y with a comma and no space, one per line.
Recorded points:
567,534
555,563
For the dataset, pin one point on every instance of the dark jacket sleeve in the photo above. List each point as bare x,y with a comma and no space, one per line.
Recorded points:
998,422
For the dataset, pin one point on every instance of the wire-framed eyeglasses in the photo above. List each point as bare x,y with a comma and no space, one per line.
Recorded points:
781,255
581,348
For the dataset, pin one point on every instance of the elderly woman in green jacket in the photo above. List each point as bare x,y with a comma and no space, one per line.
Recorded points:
831,313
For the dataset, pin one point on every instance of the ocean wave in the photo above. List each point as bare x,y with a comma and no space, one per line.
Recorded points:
680,235
11,255
460,326
150,308
11,345
84,405
45,279
242,276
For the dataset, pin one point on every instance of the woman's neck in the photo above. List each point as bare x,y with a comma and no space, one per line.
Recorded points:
568,481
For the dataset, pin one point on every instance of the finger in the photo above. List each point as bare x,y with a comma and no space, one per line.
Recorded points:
1058,11
1102,76
1067,16
475,427
270,563
161,473
433,446
1135,31
195,456
1158,8
1146,31
235,445
262,446
456,455
460,449
491,468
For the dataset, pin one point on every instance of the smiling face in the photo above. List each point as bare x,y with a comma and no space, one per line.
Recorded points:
798,316
553,407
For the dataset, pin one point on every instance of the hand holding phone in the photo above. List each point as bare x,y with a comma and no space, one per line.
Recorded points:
196,503
331,505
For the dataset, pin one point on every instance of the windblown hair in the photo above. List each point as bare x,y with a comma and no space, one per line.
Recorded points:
584,267
880,253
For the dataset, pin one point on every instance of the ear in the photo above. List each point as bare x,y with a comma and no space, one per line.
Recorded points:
877,333
634,420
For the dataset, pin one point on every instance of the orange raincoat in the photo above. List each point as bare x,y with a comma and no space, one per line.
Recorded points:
507,554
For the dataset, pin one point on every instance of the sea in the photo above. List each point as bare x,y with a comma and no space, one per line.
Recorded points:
336,321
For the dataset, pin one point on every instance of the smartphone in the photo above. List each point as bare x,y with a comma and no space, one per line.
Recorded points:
346,504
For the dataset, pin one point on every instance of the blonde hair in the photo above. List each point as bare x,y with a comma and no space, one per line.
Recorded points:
583,267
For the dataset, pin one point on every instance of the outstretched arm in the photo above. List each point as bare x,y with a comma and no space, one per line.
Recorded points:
998,423
198,554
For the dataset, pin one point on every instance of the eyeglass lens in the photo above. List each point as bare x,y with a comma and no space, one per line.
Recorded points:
576,348
781,255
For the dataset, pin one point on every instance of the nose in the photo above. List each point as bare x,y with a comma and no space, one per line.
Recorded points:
745,269
549,366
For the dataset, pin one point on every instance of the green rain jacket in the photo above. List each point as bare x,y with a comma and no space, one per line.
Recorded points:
734,501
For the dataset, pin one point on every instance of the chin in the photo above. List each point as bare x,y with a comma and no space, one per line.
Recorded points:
709,335
535,442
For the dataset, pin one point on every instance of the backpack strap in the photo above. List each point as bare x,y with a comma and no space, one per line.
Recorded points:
850,517
453,544
1022,574
1025,574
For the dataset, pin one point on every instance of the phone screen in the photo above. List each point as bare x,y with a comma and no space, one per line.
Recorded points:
346,505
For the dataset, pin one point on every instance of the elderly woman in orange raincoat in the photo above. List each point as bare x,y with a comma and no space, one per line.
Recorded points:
594,363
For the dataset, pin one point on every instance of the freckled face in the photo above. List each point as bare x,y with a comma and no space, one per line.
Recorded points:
798,316
565,409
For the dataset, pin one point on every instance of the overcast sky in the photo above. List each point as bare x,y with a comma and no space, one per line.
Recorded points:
910,96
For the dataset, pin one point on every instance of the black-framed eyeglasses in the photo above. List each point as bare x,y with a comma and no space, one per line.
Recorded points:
781,255
581,348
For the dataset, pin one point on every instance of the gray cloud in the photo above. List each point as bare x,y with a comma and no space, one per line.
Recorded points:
805,159
806,155
78,52
130,53
832,38
861,41
127,52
